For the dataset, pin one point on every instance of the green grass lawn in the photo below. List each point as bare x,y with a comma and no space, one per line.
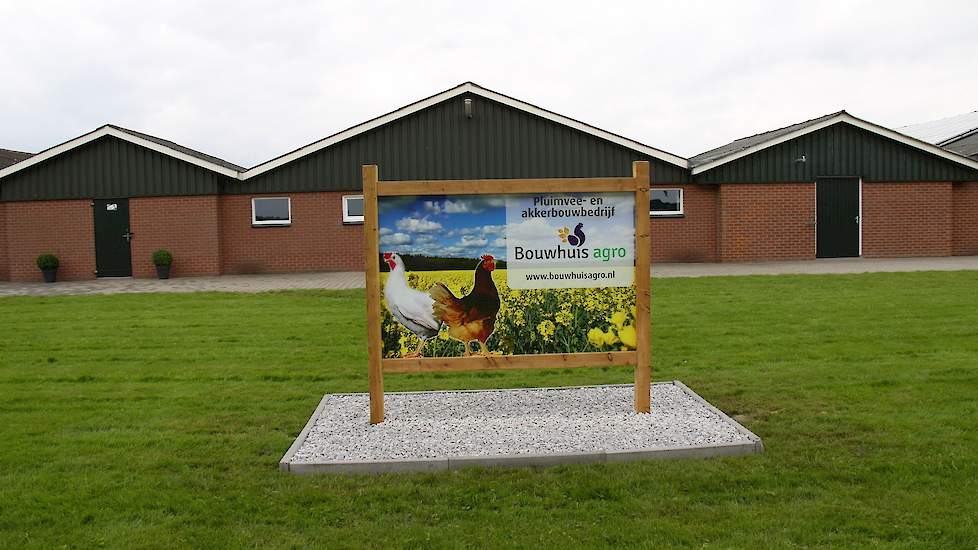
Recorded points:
159,420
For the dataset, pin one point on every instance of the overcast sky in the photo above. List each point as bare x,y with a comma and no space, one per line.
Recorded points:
247,81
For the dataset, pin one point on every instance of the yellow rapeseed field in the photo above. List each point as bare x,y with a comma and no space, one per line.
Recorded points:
529,321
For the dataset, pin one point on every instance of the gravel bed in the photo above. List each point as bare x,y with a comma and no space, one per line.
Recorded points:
533,421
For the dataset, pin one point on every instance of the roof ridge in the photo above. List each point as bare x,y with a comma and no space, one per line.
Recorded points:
174,145
837,113
739,143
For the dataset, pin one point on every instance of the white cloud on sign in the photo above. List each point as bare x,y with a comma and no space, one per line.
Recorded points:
394,239
418,225
469,241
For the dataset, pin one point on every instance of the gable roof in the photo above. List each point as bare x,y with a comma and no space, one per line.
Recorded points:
150,142
944,130
743,143
9,157
466,87
745,146
181,148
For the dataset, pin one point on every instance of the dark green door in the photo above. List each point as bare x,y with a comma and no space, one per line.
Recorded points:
837,217
113,255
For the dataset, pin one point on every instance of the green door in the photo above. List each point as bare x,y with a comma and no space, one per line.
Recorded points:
837,217
113,255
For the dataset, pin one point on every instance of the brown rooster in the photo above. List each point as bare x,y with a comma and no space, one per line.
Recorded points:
473,317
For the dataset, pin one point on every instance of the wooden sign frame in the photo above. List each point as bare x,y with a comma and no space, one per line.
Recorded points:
640,358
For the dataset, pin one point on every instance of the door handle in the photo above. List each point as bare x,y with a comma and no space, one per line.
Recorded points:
857,219
128,236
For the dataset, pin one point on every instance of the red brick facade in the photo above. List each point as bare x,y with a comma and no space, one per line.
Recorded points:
692,237
317,240
4,260
63,228
761,221
213,234
186,226
965,226
907,219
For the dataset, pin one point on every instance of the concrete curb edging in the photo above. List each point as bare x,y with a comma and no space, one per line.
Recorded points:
754,446
301,438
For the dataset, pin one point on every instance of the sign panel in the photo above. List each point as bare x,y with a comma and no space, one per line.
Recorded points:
509,274
573,240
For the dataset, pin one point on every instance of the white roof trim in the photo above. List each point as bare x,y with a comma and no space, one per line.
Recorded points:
857,122
448,94
110,131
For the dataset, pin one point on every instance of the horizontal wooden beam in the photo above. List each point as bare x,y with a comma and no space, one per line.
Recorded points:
500,187
510,362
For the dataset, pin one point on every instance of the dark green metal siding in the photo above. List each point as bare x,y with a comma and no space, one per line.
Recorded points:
839,150
109,168
441,143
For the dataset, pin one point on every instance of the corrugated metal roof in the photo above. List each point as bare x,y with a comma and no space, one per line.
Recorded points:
181,148
747,142
9,156
966,145
942,131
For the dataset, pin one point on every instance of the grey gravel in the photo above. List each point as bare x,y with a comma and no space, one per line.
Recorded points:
534,421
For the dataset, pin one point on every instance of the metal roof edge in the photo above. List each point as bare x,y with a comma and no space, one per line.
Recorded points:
110,130
465,87
841,116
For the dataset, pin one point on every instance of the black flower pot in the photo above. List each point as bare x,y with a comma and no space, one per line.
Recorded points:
50,275
163,271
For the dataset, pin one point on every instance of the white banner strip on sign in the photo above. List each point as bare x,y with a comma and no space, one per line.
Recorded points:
570,240
570,277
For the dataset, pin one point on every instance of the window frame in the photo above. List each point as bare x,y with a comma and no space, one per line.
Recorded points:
668,213
270,223
347,218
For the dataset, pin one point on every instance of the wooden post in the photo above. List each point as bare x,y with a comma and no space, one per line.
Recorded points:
371,252
643,295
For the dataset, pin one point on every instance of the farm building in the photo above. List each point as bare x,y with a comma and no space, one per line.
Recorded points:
829,187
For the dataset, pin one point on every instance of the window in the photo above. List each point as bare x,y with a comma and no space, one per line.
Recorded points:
271,211
353,209
666,202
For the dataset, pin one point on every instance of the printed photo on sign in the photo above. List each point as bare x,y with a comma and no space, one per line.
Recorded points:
507,274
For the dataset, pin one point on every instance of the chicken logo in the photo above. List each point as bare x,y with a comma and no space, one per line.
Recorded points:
574,239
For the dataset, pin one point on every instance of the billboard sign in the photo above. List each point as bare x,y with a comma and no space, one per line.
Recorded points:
503,274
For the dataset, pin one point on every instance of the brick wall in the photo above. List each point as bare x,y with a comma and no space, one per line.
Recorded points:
906,219
4,256
317,240
965,224
4,261
766,221
64,228
693,237
186,226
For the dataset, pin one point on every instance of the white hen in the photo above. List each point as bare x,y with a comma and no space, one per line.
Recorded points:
412,308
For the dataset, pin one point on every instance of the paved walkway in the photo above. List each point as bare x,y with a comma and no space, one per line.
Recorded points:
224,283
343,280
811,267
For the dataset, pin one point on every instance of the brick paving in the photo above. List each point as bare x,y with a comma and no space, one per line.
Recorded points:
354,279
224,283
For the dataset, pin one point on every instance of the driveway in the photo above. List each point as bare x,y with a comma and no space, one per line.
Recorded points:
354,279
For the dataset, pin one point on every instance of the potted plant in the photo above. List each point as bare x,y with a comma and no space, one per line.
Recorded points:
162,259
48,264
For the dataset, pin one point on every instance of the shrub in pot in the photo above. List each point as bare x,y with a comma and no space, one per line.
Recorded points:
162,259
48,264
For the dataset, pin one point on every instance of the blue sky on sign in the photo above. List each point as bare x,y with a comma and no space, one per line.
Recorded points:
464,226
